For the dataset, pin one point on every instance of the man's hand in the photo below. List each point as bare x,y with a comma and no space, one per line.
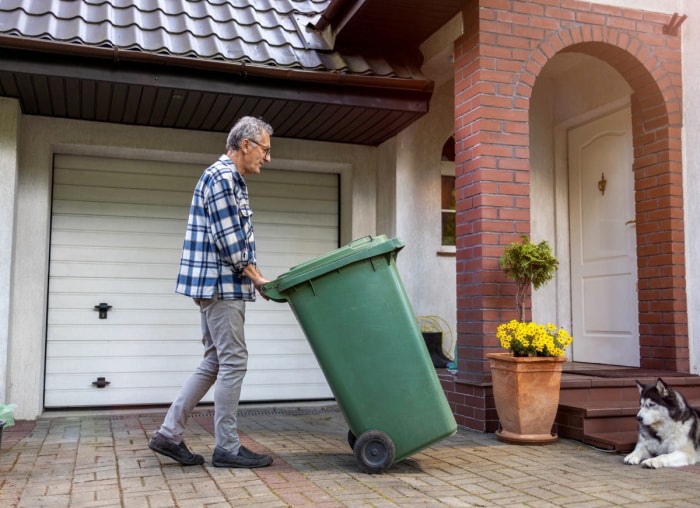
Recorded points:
254,274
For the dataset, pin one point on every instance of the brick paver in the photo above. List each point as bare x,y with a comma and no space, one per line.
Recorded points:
102,460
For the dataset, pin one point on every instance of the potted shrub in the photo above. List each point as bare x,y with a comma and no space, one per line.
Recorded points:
529,265
526,378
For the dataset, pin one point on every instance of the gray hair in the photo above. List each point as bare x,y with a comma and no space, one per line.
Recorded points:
248,127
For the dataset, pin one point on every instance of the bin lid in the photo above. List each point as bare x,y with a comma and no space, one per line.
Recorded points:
357,250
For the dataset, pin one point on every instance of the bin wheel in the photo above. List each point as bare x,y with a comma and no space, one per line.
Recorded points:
374,451
352,439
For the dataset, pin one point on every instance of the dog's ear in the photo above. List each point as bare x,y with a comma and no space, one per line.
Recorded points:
640,386
662,388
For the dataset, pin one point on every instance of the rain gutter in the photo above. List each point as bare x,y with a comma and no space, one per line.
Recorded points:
117,55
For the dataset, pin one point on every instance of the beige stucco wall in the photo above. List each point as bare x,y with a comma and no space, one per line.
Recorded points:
408,206
691,173
9,138
42,137
429,278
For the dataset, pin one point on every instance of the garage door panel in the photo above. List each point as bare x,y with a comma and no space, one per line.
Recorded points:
293,204
280,192
119,286
302,248
160,384
114,396
125,166
68,382
94,270
140,319
119,180
105,397
129,348
103,365
84,208
271,364
263,377
168,300
105,223
133,197
310,220
294,232
118,240
117,233
273,333
265,315
295,177
163,380
97,333
274,264
116,254
265,351
166,333
268,313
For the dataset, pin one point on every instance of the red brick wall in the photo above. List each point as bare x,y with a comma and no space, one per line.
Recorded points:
505,45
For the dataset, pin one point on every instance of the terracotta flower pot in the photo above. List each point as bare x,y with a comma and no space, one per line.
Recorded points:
526,391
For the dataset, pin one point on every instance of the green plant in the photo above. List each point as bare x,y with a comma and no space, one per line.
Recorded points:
533,339
529,264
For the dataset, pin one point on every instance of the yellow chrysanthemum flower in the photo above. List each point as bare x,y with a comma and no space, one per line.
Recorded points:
533,339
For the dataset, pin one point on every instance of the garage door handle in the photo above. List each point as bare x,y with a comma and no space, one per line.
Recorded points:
101,382
103,308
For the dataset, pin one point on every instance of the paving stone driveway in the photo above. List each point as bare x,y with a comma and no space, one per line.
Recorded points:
102,459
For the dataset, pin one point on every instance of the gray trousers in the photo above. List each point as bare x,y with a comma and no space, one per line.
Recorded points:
225,362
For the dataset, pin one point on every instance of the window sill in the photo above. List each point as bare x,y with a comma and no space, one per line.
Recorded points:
449,251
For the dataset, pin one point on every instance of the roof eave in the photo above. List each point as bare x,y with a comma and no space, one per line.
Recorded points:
300,75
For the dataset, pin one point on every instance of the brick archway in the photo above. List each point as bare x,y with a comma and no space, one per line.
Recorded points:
497,62
656,111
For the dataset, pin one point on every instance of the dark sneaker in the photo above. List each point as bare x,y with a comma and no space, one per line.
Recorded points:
244,459
179,452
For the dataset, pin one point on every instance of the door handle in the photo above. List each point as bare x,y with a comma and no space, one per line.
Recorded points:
630,222
103,308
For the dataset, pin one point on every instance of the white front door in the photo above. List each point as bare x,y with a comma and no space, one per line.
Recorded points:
603,242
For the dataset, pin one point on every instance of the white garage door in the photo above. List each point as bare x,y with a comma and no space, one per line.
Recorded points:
117,231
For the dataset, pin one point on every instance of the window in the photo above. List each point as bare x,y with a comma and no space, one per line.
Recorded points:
448,211
447,185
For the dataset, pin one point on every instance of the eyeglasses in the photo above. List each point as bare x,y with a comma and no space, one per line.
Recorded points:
266,149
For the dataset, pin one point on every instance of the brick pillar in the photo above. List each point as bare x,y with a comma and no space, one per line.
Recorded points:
497,61
493,209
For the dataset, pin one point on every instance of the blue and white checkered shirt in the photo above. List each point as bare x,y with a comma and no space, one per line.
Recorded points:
219,241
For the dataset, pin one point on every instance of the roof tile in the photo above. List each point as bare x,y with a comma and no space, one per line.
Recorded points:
264,32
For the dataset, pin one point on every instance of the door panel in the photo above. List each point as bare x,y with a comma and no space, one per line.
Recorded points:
603,242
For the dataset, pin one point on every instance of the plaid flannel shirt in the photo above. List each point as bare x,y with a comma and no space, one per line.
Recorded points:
219,240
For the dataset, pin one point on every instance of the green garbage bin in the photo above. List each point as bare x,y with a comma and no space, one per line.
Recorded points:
359,322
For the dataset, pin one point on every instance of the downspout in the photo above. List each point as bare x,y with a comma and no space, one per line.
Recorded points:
331,12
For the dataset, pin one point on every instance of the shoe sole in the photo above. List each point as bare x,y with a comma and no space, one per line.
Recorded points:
241,466
174,457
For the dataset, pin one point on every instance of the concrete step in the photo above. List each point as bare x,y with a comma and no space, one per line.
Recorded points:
618,442
602,412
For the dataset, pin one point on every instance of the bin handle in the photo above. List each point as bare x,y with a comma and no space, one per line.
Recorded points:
270,290
359,240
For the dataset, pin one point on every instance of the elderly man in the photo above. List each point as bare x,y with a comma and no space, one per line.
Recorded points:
218,271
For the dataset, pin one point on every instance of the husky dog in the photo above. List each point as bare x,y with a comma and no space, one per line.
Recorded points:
669,429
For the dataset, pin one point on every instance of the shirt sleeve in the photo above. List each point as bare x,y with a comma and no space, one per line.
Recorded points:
230,218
